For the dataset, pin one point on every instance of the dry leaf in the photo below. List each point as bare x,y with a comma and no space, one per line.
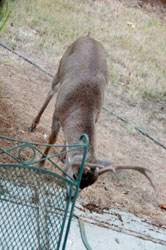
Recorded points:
163,206
117,240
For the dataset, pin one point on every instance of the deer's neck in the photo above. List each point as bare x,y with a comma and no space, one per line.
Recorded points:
74,128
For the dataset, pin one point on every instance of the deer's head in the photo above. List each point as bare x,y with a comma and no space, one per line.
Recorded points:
92,171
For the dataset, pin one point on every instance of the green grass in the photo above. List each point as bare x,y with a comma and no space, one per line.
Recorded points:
1,88
6,9
136,53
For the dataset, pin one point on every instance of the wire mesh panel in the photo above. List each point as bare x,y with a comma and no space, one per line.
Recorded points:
35,204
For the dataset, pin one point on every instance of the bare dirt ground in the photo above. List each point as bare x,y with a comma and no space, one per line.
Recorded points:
152,7
23,91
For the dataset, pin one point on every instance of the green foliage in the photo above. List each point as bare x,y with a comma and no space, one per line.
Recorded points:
5,12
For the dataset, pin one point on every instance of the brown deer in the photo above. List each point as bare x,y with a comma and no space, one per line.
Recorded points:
81,81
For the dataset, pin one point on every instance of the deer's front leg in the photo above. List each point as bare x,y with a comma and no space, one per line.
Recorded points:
53,137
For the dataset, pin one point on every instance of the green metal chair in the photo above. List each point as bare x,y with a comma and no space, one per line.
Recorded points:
35,204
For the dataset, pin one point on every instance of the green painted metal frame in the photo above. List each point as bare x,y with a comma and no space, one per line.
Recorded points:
15,161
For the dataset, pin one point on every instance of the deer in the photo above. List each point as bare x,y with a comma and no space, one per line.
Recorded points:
81,82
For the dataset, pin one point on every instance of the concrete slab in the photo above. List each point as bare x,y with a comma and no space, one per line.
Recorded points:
115,230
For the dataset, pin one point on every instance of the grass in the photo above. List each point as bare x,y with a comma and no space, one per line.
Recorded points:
135,42
6,9
1,89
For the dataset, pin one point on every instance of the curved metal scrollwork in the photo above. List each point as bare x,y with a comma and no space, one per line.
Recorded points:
27,146
30,153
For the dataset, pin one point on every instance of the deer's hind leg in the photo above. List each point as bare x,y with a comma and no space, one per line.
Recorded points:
55,86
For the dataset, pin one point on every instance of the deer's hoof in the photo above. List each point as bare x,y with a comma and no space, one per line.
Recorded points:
31,129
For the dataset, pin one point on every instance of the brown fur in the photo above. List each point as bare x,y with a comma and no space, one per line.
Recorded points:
82,78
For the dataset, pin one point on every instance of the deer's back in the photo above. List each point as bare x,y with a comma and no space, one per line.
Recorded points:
84,53
84,77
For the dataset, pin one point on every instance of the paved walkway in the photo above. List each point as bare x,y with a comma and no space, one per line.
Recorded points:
115,230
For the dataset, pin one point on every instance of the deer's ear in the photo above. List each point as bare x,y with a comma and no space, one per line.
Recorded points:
104,163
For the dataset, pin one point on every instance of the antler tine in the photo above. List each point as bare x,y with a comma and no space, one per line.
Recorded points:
142,170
